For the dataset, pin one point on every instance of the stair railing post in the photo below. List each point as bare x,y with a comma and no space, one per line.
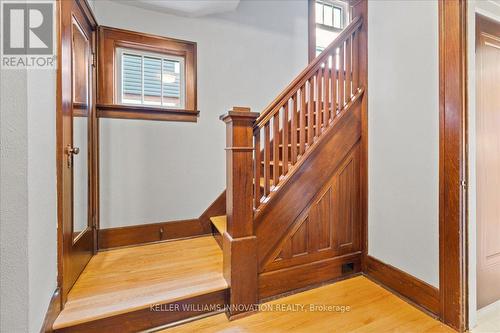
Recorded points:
239,242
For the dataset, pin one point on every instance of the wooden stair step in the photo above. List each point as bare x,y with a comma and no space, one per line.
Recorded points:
220,223
118,287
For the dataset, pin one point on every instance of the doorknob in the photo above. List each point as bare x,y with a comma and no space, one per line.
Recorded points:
70,151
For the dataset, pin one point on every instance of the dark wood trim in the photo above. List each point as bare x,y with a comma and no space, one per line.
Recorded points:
52,312
301,276
111,38
404,284
155,316
217,208
148,233
89,14
311,30
359,8
145,113
453,163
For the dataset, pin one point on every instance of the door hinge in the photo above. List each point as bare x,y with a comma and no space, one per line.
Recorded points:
463,183
94,59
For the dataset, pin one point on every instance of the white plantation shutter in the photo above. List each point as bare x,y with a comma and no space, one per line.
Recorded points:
132,77
151,80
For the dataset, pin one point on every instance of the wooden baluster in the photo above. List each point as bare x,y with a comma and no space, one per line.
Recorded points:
334,84
239,242
341,78
284,131
257,167
355,62
310,116
267,159
302,139
319,100
276,144
326,112
348,61
293,137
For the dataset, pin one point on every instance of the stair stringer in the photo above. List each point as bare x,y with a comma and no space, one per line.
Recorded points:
276,219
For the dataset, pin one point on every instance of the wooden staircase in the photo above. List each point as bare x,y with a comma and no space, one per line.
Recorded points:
293,210
294,180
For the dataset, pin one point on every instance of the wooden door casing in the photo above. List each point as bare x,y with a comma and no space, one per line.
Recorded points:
488,160
74,252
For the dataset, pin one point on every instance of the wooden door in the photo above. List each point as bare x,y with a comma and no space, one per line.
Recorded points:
488,161
76,141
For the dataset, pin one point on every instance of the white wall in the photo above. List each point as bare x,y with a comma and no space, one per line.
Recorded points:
13,202
491,9
28,198
162,171
42,193
403,107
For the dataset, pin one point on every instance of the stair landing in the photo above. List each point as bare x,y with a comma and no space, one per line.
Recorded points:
126,280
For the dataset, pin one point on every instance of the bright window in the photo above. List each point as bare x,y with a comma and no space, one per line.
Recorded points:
331,18
150,79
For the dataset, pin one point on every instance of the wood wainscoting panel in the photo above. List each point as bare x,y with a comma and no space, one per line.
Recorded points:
329,226
323,243
306,275
417,291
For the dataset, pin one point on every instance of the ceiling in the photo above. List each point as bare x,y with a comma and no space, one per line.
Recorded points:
190,8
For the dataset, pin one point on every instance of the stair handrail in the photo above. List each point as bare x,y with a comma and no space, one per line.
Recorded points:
297,119
306,74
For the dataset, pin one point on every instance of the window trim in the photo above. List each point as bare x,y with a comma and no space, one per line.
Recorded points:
108,105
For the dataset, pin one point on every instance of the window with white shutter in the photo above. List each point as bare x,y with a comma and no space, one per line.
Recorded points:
150,79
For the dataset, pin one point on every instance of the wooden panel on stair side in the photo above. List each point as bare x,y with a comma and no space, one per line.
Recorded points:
299,193
329,227
306,275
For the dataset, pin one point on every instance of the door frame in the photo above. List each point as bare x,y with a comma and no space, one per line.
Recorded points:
63,107
453,166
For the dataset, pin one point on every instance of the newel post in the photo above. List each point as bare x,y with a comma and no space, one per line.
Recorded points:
239,242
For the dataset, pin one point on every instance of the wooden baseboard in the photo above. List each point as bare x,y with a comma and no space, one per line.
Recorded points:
300,276
416,291
52,312
155,316
147,233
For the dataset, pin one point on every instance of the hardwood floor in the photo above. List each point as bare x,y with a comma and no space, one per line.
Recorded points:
129,279
372,309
